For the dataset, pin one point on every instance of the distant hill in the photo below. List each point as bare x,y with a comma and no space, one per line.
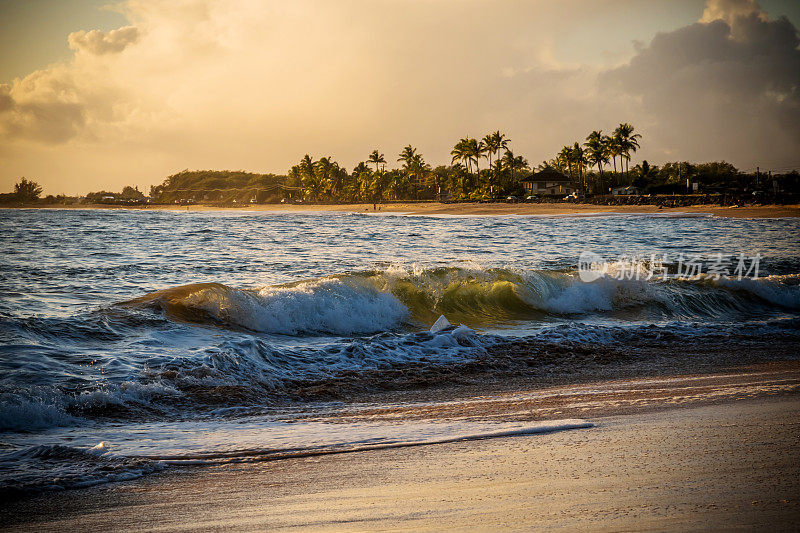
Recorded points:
219,186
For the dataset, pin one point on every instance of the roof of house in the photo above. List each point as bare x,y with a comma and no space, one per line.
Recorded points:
547,174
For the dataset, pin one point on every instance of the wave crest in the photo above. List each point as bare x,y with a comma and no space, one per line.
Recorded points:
327,306
371,302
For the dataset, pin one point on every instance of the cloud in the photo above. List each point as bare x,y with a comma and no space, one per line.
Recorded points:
100,42
45,119
727,87
60,104
730,10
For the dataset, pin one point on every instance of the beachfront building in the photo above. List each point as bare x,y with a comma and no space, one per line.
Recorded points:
548,182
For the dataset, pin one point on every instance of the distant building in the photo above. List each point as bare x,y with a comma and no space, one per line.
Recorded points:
548,182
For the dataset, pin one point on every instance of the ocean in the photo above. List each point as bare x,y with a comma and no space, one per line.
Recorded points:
134,341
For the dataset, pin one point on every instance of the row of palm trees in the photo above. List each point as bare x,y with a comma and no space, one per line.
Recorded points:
597,151
326,180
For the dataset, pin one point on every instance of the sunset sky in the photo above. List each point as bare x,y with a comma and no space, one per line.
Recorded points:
96,95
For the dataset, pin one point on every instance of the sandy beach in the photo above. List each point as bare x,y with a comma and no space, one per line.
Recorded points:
473,209
690,452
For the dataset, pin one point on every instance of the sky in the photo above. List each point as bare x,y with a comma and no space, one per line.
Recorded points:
97,95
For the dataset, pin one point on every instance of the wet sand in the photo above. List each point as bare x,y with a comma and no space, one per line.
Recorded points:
474,209
689,452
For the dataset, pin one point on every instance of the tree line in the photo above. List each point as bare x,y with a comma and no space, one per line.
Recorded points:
325,180
480,169
597,151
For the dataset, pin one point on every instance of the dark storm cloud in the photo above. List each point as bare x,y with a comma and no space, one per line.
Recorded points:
725,89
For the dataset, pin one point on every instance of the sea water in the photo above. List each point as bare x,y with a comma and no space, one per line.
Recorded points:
132,340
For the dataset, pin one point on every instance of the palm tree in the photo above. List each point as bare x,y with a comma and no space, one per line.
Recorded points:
441,176
309,178
360,168
293,179
491,145
494,142
376,158
313,180
608,149
307,166
565,158
398,184
459,177
597,151
645,172
614,147
331,176
356,180
460,154
419,169
579,158
512,163
407,155
629,142
470,151
363,180
476,150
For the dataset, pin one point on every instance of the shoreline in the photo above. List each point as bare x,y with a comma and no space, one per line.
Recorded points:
673,461
466,209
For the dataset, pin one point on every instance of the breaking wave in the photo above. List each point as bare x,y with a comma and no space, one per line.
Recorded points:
325,338
371,302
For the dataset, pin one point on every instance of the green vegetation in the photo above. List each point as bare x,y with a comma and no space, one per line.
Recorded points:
25,192
464,179
220,186
575,160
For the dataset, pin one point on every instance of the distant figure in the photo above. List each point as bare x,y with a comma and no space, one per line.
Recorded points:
374,206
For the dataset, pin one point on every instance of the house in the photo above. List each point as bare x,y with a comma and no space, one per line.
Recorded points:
548,182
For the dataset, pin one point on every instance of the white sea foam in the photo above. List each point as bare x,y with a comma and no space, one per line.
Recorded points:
24,414
246,437
134,450
125,393
318,306
258,441
778,290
